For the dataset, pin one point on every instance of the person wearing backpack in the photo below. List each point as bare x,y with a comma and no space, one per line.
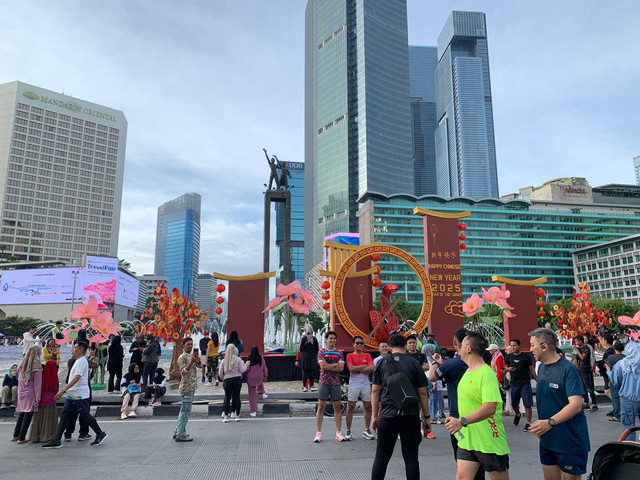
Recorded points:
398,395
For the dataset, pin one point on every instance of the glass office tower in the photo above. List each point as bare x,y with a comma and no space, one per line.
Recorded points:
422,73
178,243
296,187
465,145
357,112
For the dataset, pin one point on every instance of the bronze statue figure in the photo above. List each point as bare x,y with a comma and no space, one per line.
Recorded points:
273,165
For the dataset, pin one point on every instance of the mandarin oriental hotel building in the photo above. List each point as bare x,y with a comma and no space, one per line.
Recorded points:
61,173
518,239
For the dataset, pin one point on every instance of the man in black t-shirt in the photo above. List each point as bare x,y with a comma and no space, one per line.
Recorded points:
520,365
583,353
606,341
412,351
385,418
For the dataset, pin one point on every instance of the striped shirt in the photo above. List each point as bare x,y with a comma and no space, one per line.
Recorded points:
329,357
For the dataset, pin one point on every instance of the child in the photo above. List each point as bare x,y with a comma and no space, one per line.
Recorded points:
256,376
157,388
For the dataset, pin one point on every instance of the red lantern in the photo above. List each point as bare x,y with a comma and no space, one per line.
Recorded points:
462,246
540,304
325,285
218,311
220,300
326,296
540,293
220,288
376,282
462,237
378,270
462,227
326,306
541,313
375,257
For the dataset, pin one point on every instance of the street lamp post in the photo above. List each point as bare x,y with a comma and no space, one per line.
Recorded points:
73,292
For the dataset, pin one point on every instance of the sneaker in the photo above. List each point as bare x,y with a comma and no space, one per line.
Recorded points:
347,436
314,389
52,444
439,421
83,438
264,395
233,414
225,419
123,416
132,414
156,404
431,436
67,439
237,418
516,420
526,428
594,408
186,438
340,437
99,439
368,434
614,419
318,438
586,406
305,389
253,414
208,384
610,414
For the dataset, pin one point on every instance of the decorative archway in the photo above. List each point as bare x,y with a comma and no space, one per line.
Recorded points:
343,272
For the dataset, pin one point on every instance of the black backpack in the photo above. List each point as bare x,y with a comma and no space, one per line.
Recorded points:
400,387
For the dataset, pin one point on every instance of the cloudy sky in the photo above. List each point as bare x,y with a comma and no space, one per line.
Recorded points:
206,84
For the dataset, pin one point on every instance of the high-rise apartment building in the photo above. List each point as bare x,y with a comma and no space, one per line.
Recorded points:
61,174
206,295
178,243
296,187
422,73
465,144
357,112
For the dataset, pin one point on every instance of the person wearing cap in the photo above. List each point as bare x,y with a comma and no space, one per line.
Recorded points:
431,339
204,342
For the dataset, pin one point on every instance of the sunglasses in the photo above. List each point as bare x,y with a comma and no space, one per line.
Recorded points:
358,343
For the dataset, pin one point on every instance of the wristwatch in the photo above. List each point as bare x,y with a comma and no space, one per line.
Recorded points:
464,421
552,422
64,391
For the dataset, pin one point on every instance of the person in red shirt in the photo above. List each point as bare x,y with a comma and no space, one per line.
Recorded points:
360,364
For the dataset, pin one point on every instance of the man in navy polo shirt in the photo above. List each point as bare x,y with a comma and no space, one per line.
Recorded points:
562,425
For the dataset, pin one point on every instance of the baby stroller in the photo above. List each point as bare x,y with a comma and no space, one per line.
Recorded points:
617,460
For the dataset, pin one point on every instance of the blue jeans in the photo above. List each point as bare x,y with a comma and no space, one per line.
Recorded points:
183,416
615,402
436,404
629,411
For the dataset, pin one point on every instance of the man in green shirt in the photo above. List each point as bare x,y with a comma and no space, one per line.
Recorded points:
480,432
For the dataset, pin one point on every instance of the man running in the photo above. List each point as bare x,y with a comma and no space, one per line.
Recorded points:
521,367
481,437
331,364
562,424
360,365
385,416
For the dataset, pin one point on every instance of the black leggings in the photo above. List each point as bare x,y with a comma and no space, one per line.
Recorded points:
22,425
408,427
232,388
115,379
307,374
589,389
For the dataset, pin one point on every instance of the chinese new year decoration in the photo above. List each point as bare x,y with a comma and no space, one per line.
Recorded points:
462,227
582,316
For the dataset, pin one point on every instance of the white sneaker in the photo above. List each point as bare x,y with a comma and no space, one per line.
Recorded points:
225,419
237,418
253,414
233,414
208,384
264,395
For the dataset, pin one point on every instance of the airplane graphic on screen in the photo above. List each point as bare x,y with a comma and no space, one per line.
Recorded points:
34,290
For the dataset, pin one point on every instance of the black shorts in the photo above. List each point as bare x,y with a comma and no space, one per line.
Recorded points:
491,462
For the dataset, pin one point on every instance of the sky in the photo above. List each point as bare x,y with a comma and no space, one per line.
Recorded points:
206,84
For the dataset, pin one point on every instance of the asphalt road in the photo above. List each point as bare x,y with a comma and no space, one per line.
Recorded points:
256,448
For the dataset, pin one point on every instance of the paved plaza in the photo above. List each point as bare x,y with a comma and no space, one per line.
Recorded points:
260,448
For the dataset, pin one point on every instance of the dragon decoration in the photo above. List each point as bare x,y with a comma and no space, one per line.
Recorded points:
389,320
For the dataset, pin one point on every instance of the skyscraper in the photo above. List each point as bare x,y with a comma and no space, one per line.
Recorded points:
61,174
206,293
178,243
296,187
465,145
357,111
422,73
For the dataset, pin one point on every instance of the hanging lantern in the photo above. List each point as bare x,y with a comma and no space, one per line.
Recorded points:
325,285
218,311
540,304
375,257
462,227
220,288
376,282
462,237
326,306
540,293
463,246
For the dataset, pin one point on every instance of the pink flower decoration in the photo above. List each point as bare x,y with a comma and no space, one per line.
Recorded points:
104,324
298,306
273,303
472,305
630,321
288,290
502,303
89,310
307,297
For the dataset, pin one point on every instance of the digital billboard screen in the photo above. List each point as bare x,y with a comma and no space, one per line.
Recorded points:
42,285
127,290
100,280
